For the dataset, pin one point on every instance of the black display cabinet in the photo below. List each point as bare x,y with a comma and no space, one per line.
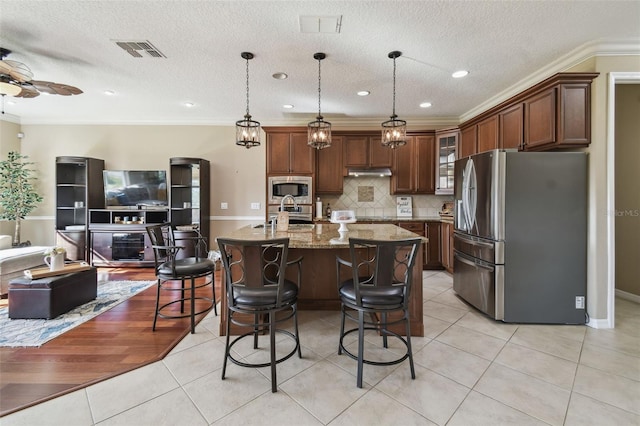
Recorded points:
189,194
79,188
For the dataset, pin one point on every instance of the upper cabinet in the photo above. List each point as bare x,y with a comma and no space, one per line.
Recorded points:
366,151
329,179
414,165
467,145
555,113
288,152
446,146
510,127
559,117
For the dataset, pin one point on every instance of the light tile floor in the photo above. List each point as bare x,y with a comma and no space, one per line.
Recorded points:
470,370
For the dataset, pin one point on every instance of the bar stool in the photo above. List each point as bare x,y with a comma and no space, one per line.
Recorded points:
380,285
259,296
169,268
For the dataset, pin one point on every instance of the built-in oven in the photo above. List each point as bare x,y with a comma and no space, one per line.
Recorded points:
298,187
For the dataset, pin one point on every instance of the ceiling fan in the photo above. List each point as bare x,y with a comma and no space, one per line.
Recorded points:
16,79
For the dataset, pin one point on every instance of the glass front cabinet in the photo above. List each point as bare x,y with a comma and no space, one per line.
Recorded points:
446,147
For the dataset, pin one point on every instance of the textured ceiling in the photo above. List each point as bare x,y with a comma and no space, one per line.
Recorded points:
501,43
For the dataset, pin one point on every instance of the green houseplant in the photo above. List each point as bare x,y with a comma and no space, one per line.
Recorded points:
18,196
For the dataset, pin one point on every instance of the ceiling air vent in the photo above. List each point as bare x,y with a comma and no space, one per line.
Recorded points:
140,49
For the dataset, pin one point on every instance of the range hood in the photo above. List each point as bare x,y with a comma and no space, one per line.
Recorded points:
362,172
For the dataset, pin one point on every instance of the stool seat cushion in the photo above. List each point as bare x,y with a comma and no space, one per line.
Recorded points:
388,297
187,267
264,296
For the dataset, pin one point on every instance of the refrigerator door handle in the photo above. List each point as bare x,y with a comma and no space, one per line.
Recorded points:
469,197
476,263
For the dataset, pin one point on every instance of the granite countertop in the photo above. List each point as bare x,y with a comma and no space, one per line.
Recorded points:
325,235
436,218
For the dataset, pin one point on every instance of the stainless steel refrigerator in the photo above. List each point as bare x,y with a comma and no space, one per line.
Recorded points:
520,240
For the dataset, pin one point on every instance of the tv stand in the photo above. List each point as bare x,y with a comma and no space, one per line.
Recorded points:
118,237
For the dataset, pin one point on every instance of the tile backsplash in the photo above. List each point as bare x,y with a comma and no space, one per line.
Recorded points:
370,196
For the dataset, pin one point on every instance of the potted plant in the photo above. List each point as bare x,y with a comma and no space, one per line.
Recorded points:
18,196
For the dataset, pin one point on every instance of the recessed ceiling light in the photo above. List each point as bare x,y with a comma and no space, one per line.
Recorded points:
459,74
287,106
109,92
189,104
425,105
364,93
280,76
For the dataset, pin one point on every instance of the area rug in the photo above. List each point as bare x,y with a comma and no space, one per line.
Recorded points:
36,332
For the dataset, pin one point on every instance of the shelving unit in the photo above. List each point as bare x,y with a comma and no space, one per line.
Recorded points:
119,237
190,193
78,188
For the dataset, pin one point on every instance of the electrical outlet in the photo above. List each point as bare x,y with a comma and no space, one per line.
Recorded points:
224,206
255,206
579,302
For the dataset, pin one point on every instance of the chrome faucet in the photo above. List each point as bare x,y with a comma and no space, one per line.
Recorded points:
286,197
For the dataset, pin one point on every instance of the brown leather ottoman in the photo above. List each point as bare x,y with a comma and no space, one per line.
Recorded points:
51,296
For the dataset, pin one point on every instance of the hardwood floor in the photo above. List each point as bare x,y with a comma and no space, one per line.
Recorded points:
110,344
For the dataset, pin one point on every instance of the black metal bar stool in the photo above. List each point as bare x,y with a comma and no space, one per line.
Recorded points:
170,268
259,296
380,285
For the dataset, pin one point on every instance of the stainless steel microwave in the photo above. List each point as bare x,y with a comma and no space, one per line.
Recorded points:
299,187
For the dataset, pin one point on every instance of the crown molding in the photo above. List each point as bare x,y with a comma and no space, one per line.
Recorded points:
571,59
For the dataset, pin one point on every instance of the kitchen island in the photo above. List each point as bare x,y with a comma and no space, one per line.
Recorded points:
319,244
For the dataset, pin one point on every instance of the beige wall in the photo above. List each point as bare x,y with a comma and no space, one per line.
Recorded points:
597,255
237,174
627,194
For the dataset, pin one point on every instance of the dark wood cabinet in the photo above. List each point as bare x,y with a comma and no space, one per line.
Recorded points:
416,227
511,124
468,140
555,113
432,253
414,166
79,187
189,193
558,117
487,134
540,119
446,154
288,152
446,239
366,151
329,168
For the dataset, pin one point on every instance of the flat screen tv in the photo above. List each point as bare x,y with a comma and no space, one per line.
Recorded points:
135,188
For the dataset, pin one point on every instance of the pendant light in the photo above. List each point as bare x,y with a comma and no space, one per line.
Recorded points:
247,130
319,131
394,131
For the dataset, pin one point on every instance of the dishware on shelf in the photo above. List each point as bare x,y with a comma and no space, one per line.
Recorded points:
343,217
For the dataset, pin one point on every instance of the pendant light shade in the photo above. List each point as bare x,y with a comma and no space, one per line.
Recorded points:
319,131
394,130
247,130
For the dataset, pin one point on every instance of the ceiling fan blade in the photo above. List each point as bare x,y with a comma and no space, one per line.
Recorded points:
28,92
55,88
17,70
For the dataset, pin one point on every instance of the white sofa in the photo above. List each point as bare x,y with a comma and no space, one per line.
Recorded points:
13,261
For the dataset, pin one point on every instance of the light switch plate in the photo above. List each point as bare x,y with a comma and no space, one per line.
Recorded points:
255,206
224,206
